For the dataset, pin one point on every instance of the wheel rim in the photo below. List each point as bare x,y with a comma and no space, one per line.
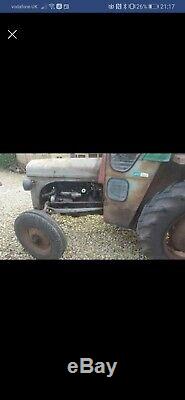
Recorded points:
174,242
37,241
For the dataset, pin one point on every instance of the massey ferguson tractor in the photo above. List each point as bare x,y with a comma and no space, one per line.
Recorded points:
140,191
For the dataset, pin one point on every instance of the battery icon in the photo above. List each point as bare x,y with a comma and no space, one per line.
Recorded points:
153,6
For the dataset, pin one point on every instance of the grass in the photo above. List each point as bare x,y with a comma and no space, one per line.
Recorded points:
7,160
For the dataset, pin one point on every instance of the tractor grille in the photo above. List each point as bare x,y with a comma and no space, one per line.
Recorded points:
122,162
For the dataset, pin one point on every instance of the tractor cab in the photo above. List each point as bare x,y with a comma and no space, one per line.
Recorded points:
127,179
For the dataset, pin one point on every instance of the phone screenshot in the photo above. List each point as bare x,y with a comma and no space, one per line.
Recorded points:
41,19
92,244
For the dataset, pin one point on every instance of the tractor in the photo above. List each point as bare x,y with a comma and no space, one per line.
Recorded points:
140,191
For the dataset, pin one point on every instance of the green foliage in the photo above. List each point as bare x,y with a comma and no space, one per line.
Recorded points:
7,159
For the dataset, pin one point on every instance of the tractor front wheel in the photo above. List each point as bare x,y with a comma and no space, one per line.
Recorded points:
161,226
40,235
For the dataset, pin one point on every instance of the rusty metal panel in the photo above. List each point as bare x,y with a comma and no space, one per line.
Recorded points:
139,178
102,170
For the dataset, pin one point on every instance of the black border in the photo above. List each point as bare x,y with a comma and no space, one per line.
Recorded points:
117,311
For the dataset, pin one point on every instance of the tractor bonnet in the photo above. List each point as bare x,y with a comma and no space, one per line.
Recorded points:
67,168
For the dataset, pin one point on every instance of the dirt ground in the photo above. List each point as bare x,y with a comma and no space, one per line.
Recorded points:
88,237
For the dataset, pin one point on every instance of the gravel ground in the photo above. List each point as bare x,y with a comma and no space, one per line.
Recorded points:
88,237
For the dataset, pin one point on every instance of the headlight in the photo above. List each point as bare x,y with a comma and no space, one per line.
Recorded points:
28,184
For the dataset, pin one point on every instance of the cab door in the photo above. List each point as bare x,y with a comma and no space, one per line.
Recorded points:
127,179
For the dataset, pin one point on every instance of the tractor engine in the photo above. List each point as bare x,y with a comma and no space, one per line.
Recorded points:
73,197
66,186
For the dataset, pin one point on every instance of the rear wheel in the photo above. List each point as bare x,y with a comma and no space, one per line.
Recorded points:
161,226
40,235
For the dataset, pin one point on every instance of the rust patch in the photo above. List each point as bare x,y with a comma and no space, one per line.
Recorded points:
102,171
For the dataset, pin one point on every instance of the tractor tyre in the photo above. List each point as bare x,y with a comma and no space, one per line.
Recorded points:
161,225
40,235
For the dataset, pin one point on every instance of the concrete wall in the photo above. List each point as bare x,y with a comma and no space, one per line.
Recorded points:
24,158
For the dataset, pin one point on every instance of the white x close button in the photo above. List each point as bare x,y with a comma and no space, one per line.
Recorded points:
12,35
